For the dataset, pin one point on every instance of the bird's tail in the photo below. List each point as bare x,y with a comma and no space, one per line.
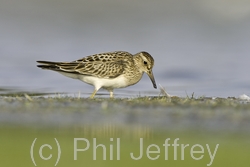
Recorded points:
69,67
48,65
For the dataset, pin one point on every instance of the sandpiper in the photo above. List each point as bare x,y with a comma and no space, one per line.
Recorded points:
106,70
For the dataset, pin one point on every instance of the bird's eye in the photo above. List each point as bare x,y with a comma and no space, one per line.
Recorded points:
145,62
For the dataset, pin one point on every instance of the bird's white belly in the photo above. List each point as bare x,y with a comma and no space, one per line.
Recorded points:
111,83
118,82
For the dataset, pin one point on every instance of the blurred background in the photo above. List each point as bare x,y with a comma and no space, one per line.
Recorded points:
199,46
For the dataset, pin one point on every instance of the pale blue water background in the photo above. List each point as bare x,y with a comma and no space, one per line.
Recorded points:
199,46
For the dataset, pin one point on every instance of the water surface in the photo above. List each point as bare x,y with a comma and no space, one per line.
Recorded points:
198,46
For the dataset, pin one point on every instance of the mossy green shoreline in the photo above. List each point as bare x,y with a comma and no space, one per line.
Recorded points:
23,118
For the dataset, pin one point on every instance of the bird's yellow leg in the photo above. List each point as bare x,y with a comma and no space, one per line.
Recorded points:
93,94
111,94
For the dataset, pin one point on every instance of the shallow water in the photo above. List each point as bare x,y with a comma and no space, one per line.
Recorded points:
198,47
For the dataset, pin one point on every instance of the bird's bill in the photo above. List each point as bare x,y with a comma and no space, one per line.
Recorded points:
151,76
